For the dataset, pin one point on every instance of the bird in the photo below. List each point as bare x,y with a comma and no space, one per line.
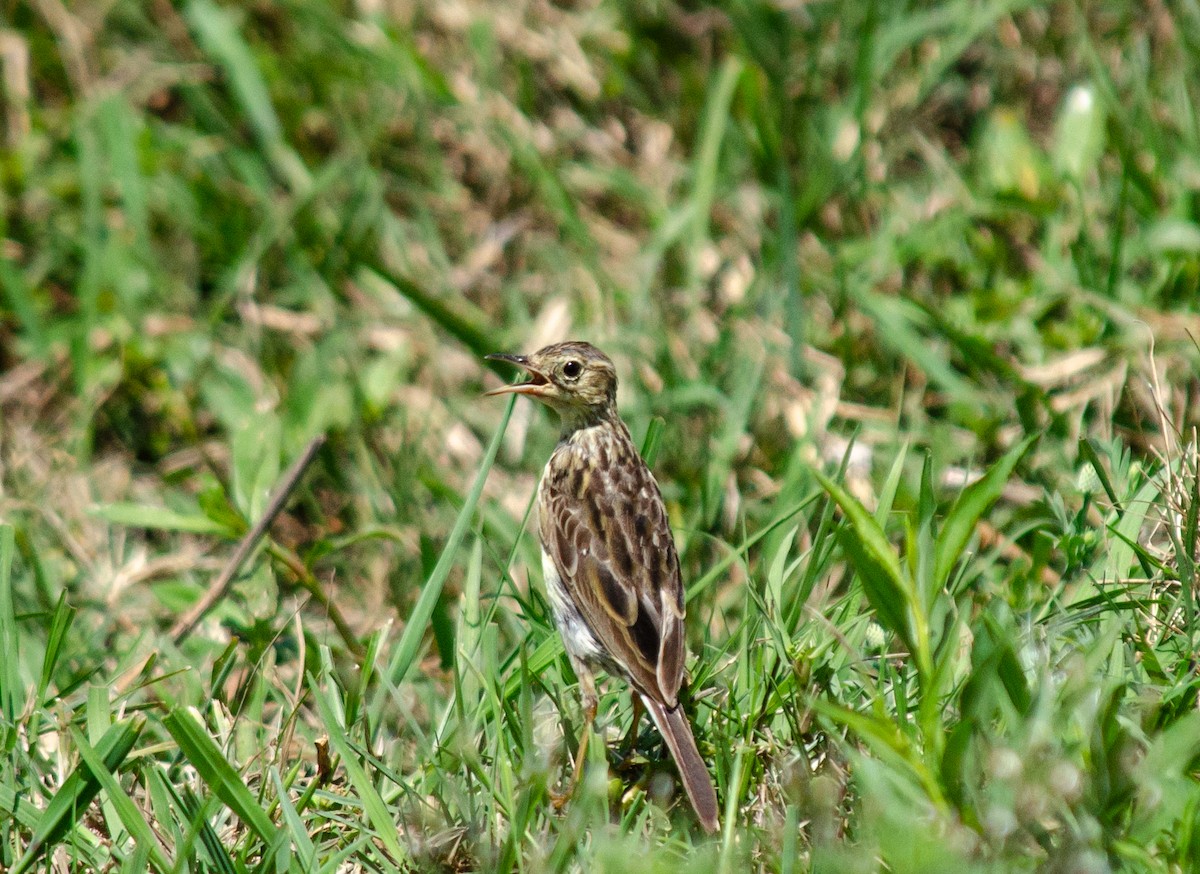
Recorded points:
608,556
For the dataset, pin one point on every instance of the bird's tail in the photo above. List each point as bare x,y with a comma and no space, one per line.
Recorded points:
674,727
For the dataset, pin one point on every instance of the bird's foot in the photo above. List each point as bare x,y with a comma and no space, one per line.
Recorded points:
558,800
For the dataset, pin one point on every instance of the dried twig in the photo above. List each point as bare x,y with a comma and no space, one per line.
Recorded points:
222,583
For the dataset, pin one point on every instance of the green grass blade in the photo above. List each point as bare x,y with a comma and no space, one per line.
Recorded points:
895,319
60,627
889,591
452,315
970,505
117,127
377,811
220,36
366,676
887,742
10,669
196,816
714,573
539,660
71,801
20,301
1123,553
217,773
306,853
1087,451
128,813
653,439
887,495
409,645
708,153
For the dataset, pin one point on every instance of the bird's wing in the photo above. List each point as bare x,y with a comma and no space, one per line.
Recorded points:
606,529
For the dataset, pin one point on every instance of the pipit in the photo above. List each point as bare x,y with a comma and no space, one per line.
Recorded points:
608,556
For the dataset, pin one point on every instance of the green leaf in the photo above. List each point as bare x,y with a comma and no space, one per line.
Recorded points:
904,327
441,623
255,449
538,661
367,670
17,294
1127,529
215,505
718,570
1012,677
157,519
1167,778
885,740
220,36
452,313
777,572
1009,162
708,152
970,505
199,830
919,548
118,130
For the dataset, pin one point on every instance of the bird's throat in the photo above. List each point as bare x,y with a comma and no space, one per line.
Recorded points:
578,418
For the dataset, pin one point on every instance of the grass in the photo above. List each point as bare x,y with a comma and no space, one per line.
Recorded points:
903,299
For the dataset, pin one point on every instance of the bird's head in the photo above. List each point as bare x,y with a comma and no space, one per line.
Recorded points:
575,378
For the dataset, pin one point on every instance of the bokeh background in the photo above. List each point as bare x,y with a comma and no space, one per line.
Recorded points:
884,240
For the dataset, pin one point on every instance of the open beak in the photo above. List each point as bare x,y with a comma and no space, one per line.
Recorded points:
537,380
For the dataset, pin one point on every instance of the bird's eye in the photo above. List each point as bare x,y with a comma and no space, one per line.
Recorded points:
572,369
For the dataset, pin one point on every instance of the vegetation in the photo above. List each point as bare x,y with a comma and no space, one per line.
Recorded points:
903,297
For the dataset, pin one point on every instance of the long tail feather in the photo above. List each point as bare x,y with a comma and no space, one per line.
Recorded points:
674,727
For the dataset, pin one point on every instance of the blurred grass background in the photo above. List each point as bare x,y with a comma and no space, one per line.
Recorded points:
886,241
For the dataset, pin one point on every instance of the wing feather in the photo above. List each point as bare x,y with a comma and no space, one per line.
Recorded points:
606,529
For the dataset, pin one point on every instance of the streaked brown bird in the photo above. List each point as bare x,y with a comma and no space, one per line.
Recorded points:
608,556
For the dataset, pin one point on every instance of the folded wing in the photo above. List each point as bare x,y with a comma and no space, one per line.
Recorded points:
606,530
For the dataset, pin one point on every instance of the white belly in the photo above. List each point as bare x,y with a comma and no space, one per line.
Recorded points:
577,637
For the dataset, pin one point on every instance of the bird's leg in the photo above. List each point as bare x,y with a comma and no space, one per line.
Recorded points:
587,684
589,719
631,736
